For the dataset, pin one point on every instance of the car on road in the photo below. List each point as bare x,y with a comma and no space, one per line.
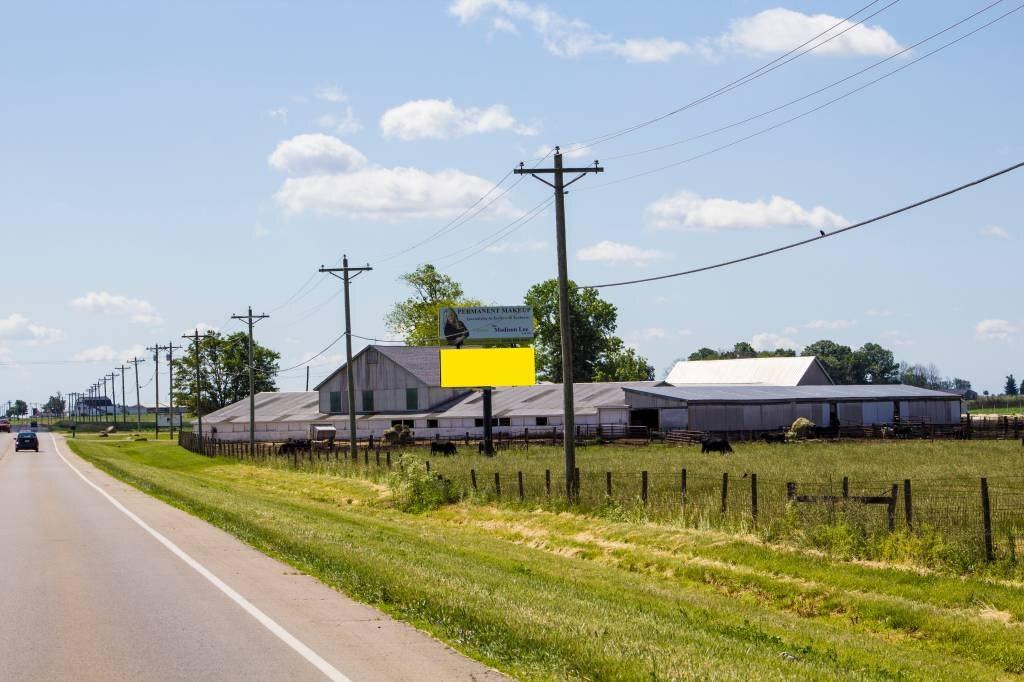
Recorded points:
27,440
5,426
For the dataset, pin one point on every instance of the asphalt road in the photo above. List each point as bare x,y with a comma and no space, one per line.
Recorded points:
87,592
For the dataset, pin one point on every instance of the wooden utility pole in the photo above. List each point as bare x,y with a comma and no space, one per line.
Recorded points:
250,320
347,277
170,384
194,338
124,396
138,402
569,417
156,376
113,393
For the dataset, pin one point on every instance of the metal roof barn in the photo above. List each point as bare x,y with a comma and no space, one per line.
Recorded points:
799,371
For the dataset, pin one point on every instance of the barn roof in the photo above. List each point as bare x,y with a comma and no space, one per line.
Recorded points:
423,362
546,399
272,407
764,371
756,394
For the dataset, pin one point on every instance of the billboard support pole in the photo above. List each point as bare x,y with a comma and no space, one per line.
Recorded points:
488,428
568,407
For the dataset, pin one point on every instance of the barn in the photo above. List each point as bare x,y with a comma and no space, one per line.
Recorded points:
798,371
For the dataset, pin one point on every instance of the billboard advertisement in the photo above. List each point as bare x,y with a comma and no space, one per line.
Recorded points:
458,326
484,367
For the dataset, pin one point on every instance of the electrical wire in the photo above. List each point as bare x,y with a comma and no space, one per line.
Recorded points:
326,348
792,119
742,80
762,254
505,230
808,95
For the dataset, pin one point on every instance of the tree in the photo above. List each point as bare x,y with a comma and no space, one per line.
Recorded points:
18,409
873,364
224,366
705,354
55,405
835,357
1010,387
416,318
597,353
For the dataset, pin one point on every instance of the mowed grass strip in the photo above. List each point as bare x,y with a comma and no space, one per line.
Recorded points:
545,595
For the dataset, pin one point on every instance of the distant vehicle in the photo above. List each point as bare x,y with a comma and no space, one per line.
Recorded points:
27,440
34,424
5,426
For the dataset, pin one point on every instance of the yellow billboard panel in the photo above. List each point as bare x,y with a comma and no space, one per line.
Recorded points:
482,367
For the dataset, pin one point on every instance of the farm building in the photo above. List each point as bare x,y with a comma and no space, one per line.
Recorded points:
401,385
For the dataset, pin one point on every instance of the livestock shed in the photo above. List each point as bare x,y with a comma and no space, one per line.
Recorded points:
767,408
798,371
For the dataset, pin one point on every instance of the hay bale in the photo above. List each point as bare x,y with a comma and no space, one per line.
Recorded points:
801,428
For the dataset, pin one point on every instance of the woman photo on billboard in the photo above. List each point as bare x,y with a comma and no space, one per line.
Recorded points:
455,331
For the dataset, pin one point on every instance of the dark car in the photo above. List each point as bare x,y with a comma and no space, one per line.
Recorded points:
26,441
5,426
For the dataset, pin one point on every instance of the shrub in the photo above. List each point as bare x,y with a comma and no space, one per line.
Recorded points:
398,435
414,489
800,428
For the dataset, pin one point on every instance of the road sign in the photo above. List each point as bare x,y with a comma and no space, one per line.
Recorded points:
458,326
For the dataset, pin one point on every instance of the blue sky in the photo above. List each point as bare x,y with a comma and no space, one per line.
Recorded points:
168,164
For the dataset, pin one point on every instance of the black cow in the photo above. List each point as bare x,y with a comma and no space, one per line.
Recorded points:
772,438
445,448
720,445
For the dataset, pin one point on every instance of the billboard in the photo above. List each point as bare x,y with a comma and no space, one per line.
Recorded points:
458,326
486,367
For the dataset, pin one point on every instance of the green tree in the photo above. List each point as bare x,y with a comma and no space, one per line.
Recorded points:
742,349
835,357
873,364
597,352
705,354
416,318
224,367
18,409
1010,388
55,405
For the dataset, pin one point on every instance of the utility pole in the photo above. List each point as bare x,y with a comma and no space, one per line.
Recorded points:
170,383
113,393
194,337
156,376
138,403
346,277
251,319
105,398
307,378
124,396
569,417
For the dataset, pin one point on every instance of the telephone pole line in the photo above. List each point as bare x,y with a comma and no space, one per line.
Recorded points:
195,337
113,394
569,417
170,383
138,402
251,320
156,376
124,396
347,277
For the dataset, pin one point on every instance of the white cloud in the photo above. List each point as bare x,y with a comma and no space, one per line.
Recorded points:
323,360
617,253
107,354
441,120
649,334
565,37
995,330
17,327
689,211
280,114
770,341
897,337
996,232
517,247
387,194
315,153
503,25
830,324
779,30
330,93
202,327
136,309
347,124
579,152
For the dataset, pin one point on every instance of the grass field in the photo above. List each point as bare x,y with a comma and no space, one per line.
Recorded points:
1012,410
554,595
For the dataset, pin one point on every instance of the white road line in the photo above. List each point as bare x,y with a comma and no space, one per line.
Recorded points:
266,621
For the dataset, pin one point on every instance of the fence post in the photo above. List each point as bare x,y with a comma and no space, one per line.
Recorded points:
389,459
366,457
522,493
908,506
753,498
986,520
576,475
547,481
377,453
643,486
682,487
846,486
497,483
892,506
608,483
428,466
790,491
526,437
725,491
472,478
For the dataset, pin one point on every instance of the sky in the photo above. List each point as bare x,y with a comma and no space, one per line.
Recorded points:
165,165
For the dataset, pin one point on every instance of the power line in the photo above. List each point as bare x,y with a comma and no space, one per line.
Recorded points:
808,95
787,121
803,242
498,234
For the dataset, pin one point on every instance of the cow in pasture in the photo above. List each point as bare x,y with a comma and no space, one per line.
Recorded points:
442,447
772,438
719,445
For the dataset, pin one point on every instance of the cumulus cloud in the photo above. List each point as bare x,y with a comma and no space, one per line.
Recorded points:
202,327
517,247
778,30
996,232
136,309
330,93
107,354
436,119
312,153
346,124
617,253
830,324
995,330
771,341
17,327
692,212
566,37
